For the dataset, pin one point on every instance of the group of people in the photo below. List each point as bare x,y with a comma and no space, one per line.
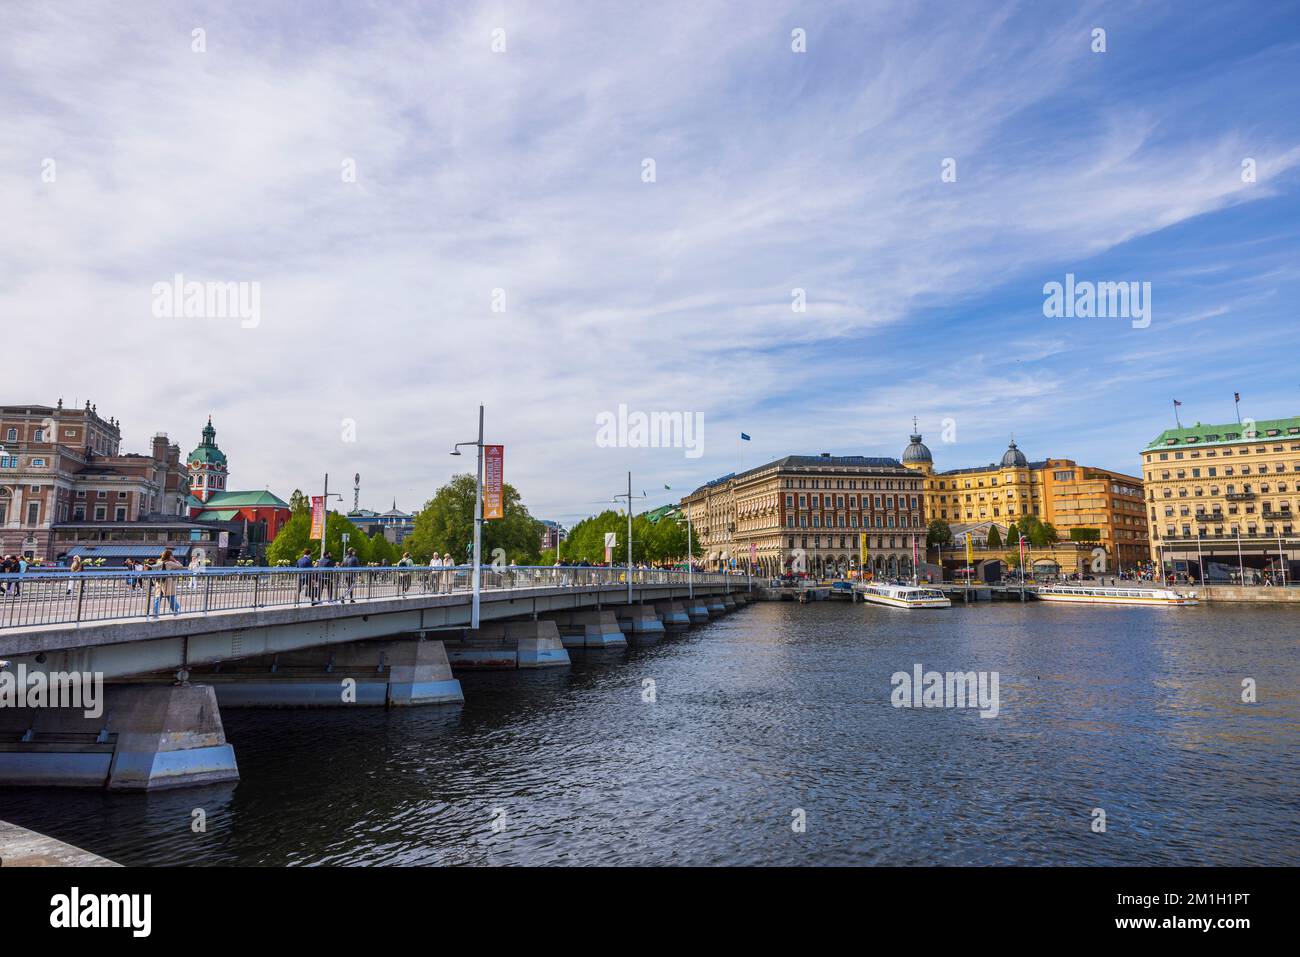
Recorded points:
12,565
338,588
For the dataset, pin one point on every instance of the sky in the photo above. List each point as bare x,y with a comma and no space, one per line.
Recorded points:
442,205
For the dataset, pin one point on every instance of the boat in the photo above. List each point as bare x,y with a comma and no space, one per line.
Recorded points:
902,596
1100,595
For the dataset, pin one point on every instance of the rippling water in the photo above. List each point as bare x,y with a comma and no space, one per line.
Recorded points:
777,707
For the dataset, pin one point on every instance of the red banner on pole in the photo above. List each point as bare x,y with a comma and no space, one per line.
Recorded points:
494,481
317,517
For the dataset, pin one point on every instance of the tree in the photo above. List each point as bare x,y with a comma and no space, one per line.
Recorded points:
299,504
994,539
1013,534
291,540
939,533
380,549
446,524
294,537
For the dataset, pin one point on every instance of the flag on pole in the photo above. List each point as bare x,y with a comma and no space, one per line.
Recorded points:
668,488
1177,403
744,437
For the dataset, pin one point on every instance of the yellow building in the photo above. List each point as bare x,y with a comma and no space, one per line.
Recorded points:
1079,501
1227,495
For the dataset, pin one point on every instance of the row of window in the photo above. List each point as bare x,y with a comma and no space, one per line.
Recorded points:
853,541
814,501
1211,453
831,521
852,484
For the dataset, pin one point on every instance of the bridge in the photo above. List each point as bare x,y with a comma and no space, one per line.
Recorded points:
176,647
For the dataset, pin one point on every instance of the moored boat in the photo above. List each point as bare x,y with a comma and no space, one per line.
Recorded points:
1100,595
902,596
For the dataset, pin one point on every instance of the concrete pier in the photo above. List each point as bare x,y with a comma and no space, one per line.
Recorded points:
639,620
697,610
589,629
508,645
728,602
715,606
149,736
20,847
370,673
672,614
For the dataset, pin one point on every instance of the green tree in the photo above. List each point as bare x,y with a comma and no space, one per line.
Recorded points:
939,533
299,504
293,538
380,550
1013,534
446,524
994,539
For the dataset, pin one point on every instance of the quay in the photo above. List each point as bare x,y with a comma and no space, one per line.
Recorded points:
20,847
309,638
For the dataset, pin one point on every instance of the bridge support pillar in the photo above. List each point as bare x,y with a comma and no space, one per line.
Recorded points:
729,603
508,645
672,614
697,610
639,620
715,606
369,673
149,737
589,629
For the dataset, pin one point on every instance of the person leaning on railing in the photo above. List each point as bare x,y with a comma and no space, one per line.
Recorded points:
164,586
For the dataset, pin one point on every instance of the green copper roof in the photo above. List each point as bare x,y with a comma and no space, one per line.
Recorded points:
1233,432
245,499
207,451
216,515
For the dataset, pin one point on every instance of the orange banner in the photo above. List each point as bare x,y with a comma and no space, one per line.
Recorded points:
317,517
494,481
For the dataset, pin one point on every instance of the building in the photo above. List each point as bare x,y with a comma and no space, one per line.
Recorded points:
252,519
64,483
552,534
394,524
1227,496
810,512
1083,503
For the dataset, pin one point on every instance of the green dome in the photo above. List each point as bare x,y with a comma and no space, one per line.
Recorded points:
207,452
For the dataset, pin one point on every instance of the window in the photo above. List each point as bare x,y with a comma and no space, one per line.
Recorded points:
119,514
38,463
11,435
33,513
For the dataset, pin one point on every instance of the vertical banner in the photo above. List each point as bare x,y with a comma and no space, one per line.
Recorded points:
970,551
611,540
916,567
1023,570
862,556
317,517
494,481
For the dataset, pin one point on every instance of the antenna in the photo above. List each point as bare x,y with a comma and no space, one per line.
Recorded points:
356,492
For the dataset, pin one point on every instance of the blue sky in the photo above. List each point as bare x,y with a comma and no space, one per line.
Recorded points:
521,171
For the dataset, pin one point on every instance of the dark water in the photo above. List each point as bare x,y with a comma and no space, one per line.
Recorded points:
777,707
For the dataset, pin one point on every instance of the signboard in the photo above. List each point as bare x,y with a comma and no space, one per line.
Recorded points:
611,539
494,481
317,517
753,554
223,540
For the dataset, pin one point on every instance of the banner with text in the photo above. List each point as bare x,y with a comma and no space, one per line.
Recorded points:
494,481
317,517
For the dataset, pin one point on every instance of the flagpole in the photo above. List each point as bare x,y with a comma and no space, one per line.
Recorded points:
1176,418
1236,402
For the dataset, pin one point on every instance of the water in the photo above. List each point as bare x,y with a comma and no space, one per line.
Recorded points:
775,708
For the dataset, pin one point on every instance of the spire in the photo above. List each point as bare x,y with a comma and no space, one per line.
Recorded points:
209,433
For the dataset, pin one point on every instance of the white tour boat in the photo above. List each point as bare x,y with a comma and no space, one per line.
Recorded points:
902,596
1103,595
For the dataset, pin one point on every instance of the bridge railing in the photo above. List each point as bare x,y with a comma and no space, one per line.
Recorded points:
63,597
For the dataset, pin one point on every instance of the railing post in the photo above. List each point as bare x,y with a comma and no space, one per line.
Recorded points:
80,587
207,592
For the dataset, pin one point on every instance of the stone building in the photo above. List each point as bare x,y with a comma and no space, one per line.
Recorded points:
810,512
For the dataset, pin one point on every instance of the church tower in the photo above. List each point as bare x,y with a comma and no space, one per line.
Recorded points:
207,465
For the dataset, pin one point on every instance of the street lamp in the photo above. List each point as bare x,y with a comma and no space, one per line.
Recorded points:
478,515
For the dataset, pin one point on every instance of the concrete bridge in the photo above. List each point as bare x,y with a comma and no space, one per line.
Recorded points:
384,637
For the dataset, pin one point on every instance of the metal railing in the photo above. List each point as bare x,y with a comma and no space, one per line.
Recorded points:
62,597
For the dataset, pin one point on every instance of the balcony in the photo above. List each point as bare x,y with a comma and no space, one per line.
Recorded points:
1285,515
1239,496
1209,516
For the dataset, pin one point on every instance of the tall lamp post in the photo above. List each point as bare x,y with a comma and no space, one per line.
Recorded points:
478,517
325,508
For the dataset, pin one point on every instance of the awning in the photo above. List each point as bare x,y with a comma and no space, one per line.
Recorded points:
142,550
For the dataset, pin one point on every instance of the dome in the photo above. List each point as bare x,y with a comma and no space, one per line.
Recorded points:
1013,457
917,452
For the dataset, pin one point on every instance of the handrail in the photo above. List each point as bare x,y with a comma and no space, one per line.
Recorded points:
92,595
